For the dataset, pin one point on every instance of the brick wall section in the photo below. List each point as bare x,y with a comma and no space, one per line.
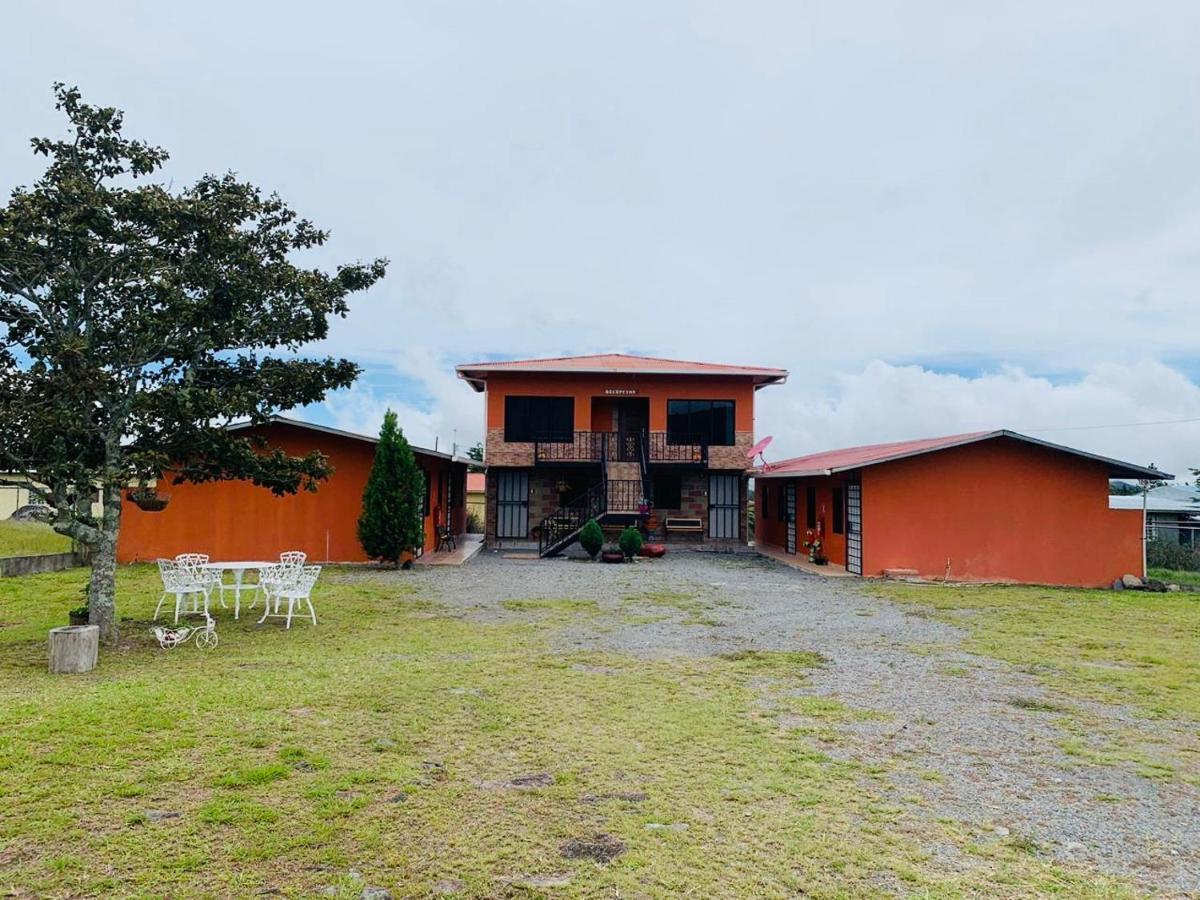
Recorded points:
544,499
732,457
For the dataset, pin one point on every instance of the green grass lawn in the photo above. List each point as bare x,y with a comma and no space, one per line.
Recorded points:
1125,647
30,539
1179,576
406,743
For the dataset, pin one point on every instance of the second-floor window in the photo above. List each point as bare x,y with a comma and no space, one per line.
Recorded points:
700,422
539,419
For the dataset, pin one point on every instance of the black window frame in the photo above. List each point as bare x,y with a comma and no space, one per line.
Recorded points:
530,418
781,507
810,507
689,419
675,493
428,486
839,509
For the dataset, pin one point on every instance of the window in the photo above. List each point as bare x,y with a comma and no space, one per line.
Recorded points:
810,507
839,510
425,504
700,421
668,490
781,506
539,419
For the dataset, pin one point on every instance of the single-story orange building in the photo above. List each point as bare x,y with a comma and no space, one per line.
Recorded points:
986,506
238,520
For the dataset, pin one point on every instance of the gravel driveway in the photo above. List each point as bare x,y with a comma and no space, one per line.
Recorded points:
989,733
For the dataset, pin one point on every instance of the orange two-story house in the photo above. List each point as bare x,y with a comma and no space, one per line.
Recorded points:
661,443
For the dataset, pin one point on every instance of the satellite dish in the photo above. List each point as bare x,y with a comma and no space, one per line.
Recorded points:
758,448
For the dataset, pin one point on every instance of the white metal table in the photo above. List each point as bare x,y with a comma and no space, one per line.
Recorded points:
239,568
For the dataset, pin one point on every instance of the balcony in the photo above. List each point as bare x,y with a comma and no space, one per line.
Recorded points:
657,447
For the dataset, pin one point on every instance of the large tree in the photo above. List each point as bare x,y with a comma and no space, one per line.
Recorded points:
137,321
392,523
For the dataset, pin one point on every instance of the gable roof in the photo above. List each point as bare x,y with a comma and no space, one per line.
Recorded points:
311,426
476,374
831,461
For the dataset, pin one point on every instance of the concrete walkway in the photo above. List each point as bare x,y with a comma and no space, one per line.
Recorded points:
468,546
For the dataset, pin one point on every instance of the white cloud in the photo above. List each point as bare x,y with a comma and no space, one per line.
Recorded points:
884,402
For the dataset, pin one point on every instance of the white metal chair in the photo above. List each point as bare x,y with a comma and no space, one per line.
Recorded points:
293,558
186,584
195,561
293,585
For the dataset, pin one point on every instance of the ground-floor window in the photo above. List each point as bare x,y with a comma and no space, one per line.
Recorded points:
839,510
668,490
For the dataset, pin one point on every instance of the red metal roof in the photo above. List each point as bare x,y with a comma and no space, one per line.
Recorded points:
615,363
831,461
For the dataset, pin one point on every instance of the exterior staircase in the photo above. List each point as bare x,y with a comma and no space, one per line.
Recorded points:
616,499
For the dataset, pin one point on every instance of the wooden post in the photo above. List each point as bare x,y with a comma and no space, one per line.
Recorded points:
73,648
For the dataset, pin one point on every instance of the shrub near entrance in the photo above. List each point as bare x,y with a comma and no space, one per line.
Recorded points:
591,538
630,541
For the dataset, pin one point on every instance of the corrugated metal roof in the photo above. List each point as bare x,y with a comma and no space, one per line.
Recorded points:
831,461
616,363
312,426
1170,498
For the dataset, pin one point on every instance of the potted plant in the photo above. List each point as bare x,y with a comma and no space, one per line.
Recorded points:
148,499
79,615
630,542
612,554
591,538
653,551
814,545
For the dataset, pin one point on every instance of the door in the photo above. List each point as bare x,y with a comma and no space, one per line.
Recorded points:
789,502
512,504
724,505
854,529
632,420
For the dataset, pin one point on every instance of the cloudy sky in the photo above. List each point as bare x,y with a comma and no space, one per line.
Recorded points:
939,216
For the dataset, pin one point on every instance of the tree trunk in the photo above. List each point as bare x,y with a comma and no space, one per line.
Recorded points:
102,591
73,649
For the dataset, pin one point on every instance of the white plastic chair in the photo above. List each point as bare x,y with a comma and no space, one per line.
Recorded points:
293,585
186,584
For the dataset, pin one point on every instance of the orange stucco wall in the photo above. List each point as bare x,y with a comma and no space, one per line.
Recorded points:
998,511
658,388
771,530
236,520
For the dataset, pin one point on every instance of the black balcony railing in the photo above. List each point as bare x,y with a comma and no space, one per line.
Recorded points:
622,446
680,449
584,446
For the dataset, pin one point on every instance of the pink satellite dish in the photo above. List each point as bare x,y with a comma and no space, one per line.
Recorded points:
758,448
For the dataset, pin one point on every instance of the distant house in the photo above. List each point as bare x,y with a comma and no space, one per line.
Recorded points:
476,495
1172,512
986,506
621,439
238,520
14,495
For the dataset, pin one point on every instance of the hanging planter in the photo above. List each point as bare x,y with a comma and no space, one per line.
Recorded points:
148,499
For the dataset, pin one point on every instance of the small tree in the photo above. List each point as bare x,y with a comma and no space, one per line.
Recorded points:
475,454
392,520
630,542
137,320
591,538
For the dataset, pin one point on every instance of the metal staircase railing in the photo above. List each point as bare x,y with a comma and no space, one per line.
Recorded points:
618,498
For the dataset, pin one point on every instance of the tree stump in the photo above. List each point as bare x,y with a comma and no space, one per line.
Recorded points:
73,648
